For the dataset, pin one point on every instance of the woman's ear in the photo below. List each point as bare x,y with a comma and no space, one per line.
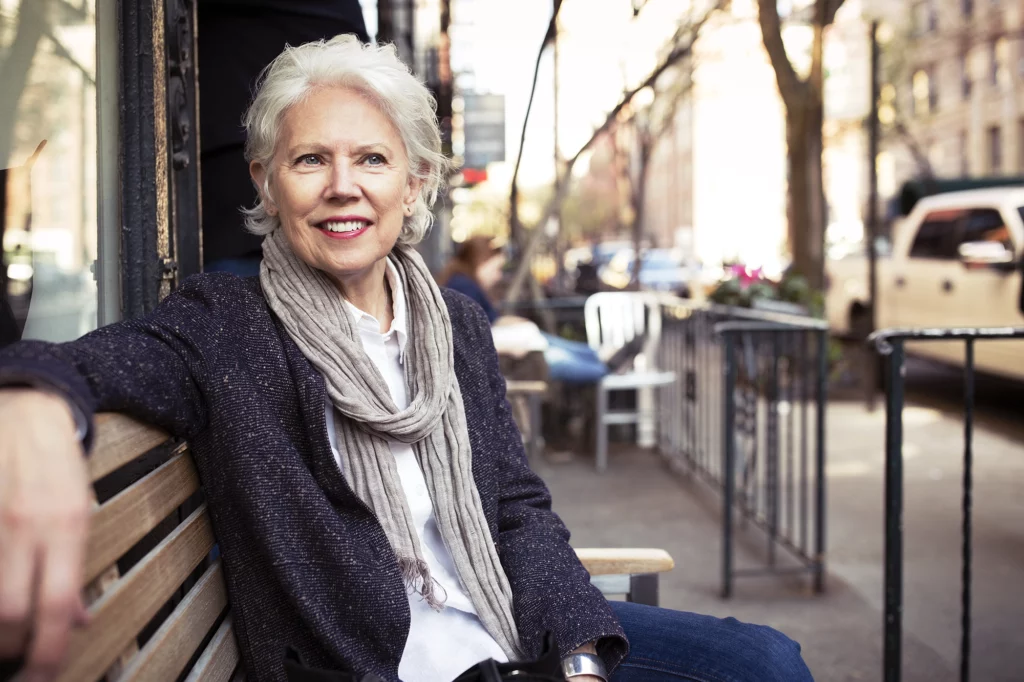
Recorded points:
258,173
412,193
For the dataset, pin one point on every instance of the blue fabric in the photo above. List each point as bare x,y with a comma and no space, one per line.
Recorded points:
467,286
667,646
241,266
307,564
572,362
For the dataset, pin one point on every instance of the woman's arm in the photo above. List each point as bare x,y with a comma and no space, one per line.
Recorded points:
151,368
551,589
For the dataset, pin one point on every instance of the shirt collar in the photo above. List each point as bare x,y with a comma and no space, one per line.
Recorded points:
399,325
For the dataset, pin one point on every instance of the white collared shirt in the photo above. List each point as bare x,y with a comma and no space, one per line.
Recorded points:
441,645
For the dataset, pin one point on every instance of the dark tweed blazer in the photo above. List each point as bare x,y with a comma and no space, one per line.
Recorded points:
307,564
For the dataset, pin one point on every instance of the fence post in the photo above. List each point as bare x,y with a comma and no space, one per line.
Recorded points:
894,513
820,524
967,509
729,465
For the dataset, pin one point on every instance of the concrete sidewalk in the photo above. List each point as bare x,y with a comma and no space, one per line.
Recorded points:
639,503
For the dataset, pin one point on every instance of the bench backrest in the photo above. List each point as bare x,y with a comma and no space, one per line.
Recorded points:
157,600
156,597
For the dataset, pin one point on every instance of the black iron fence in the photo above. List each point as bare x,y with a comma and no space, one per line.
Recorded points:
892,345
747,415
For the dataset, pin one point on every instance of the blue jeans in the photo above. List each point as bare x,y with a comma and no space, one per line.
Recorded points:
573,362
672,645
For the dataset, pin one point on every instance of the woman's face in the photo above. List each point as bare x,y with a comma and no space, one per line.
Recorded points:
339,183
489,272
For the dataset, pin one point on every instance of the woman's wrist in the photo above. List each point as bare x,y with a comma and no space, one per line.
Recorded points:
588,648
583,665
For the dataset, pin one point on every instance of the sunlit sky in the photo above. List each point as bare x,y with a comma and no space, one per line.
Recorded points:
602,48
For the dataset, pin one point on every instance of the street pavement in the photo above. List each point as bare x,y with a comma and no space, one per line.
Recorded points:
639,503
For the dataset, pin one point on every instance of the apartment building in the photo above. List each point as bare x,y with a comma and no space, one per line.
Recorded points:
953,71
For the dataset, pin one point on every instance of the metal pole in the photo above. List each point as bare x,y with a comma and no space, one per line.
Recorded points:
968,483
820,525
558,239
729,466
871,366
894,515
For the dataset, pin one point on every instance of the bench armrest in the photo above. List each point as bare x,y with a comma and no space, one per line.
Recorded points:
624,561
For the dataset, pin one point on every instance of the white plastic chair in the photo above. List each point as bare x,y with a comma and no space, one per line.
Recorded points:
613,319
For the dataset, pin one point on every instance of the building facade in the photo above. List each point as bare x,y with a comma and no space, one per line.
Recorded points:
953,101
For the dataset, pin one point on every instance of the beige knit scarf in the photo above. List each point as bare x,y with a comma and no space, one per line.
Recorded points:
316,317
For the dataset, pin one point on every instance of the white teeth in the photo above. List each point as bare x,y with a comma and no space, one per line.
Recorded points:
345,226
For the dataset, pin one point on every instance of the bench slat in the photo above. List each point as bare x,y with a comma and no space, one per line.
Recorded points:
169,650
118,616
630,561
128,516
219,659
119,440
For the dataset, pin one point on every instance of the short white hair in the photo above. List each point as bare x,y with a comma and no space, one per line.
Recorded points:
375,71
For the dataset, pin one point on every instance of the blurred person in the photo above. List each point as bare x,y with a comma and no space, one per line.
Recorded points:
475,269
236,41
370,495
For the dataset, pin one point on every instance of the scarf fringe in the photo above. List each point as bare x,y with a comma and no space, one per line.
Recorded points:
417,578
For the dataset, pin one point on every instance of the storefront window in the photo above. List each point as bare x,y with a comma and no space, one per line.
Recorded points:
48,185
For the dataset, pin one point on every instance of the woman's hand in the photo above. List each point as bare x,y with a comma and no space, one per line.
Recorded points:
44,511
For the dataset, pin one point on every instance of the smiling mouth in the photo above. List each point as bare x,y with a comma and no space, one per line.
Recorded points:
343,226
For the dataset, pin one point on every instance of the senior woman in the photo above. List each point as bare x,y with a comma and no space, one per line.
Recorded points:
374,509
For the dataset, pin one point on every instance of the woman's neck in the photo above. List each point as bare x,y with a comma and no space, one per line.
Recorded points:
370,293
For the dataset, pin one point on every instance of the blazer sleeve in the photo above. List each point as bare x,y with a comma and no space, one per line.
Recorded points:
551,589
150,367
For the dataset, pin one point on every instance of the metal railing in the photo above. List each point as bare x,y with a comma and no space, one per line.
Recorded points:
891,345
747,415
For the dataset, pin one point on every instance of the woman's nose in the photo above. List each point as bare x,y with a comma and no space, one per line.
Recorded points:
343,183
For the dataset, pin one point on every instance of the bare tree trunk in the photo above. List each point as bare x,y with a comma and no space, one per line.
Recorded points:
639,213
806,196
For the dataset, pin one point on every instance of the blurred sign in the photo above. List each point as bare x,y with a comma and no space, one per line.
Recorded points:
484,129
472,176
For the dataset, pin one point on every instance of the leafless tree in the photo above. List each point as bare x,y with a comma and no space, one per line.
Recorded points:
680,48
805,116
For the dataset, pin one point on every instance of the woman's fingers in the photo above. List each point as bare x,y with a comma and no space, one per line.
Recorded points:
16,573
44,507
58,603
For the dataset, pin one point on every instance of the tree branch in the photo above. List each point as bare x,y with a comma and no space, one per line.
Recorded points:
791,87
514,190
831,7
678,52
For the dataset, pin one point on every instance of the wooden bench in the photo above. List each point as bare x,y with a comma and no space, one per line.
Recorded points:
157,600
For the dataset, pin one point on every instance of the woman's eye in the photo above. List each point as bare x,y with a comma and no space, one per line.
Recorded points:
309,160
375,160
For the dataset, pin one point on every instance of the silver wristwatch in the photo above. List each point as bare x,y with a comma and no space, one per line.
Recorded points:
575,665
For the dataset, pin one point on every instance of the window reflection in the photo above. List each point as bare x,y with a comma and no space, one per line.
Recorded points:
48,225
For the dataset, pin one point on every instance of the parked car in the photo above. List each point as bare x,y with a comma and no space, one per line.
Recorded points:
661,270
955,262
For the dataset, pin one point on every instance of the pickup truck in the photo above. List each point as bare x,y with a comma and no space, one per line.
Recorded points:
955,261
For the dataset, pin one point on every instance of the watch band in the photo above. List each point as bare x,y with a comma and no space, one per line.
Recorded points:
574,665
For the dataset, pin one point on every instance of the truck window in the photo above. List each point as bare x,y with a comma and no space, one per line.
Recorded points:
985,225
935,238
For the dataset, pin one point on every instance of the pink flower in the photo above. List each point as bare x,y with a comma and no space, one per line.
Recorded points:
745,275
